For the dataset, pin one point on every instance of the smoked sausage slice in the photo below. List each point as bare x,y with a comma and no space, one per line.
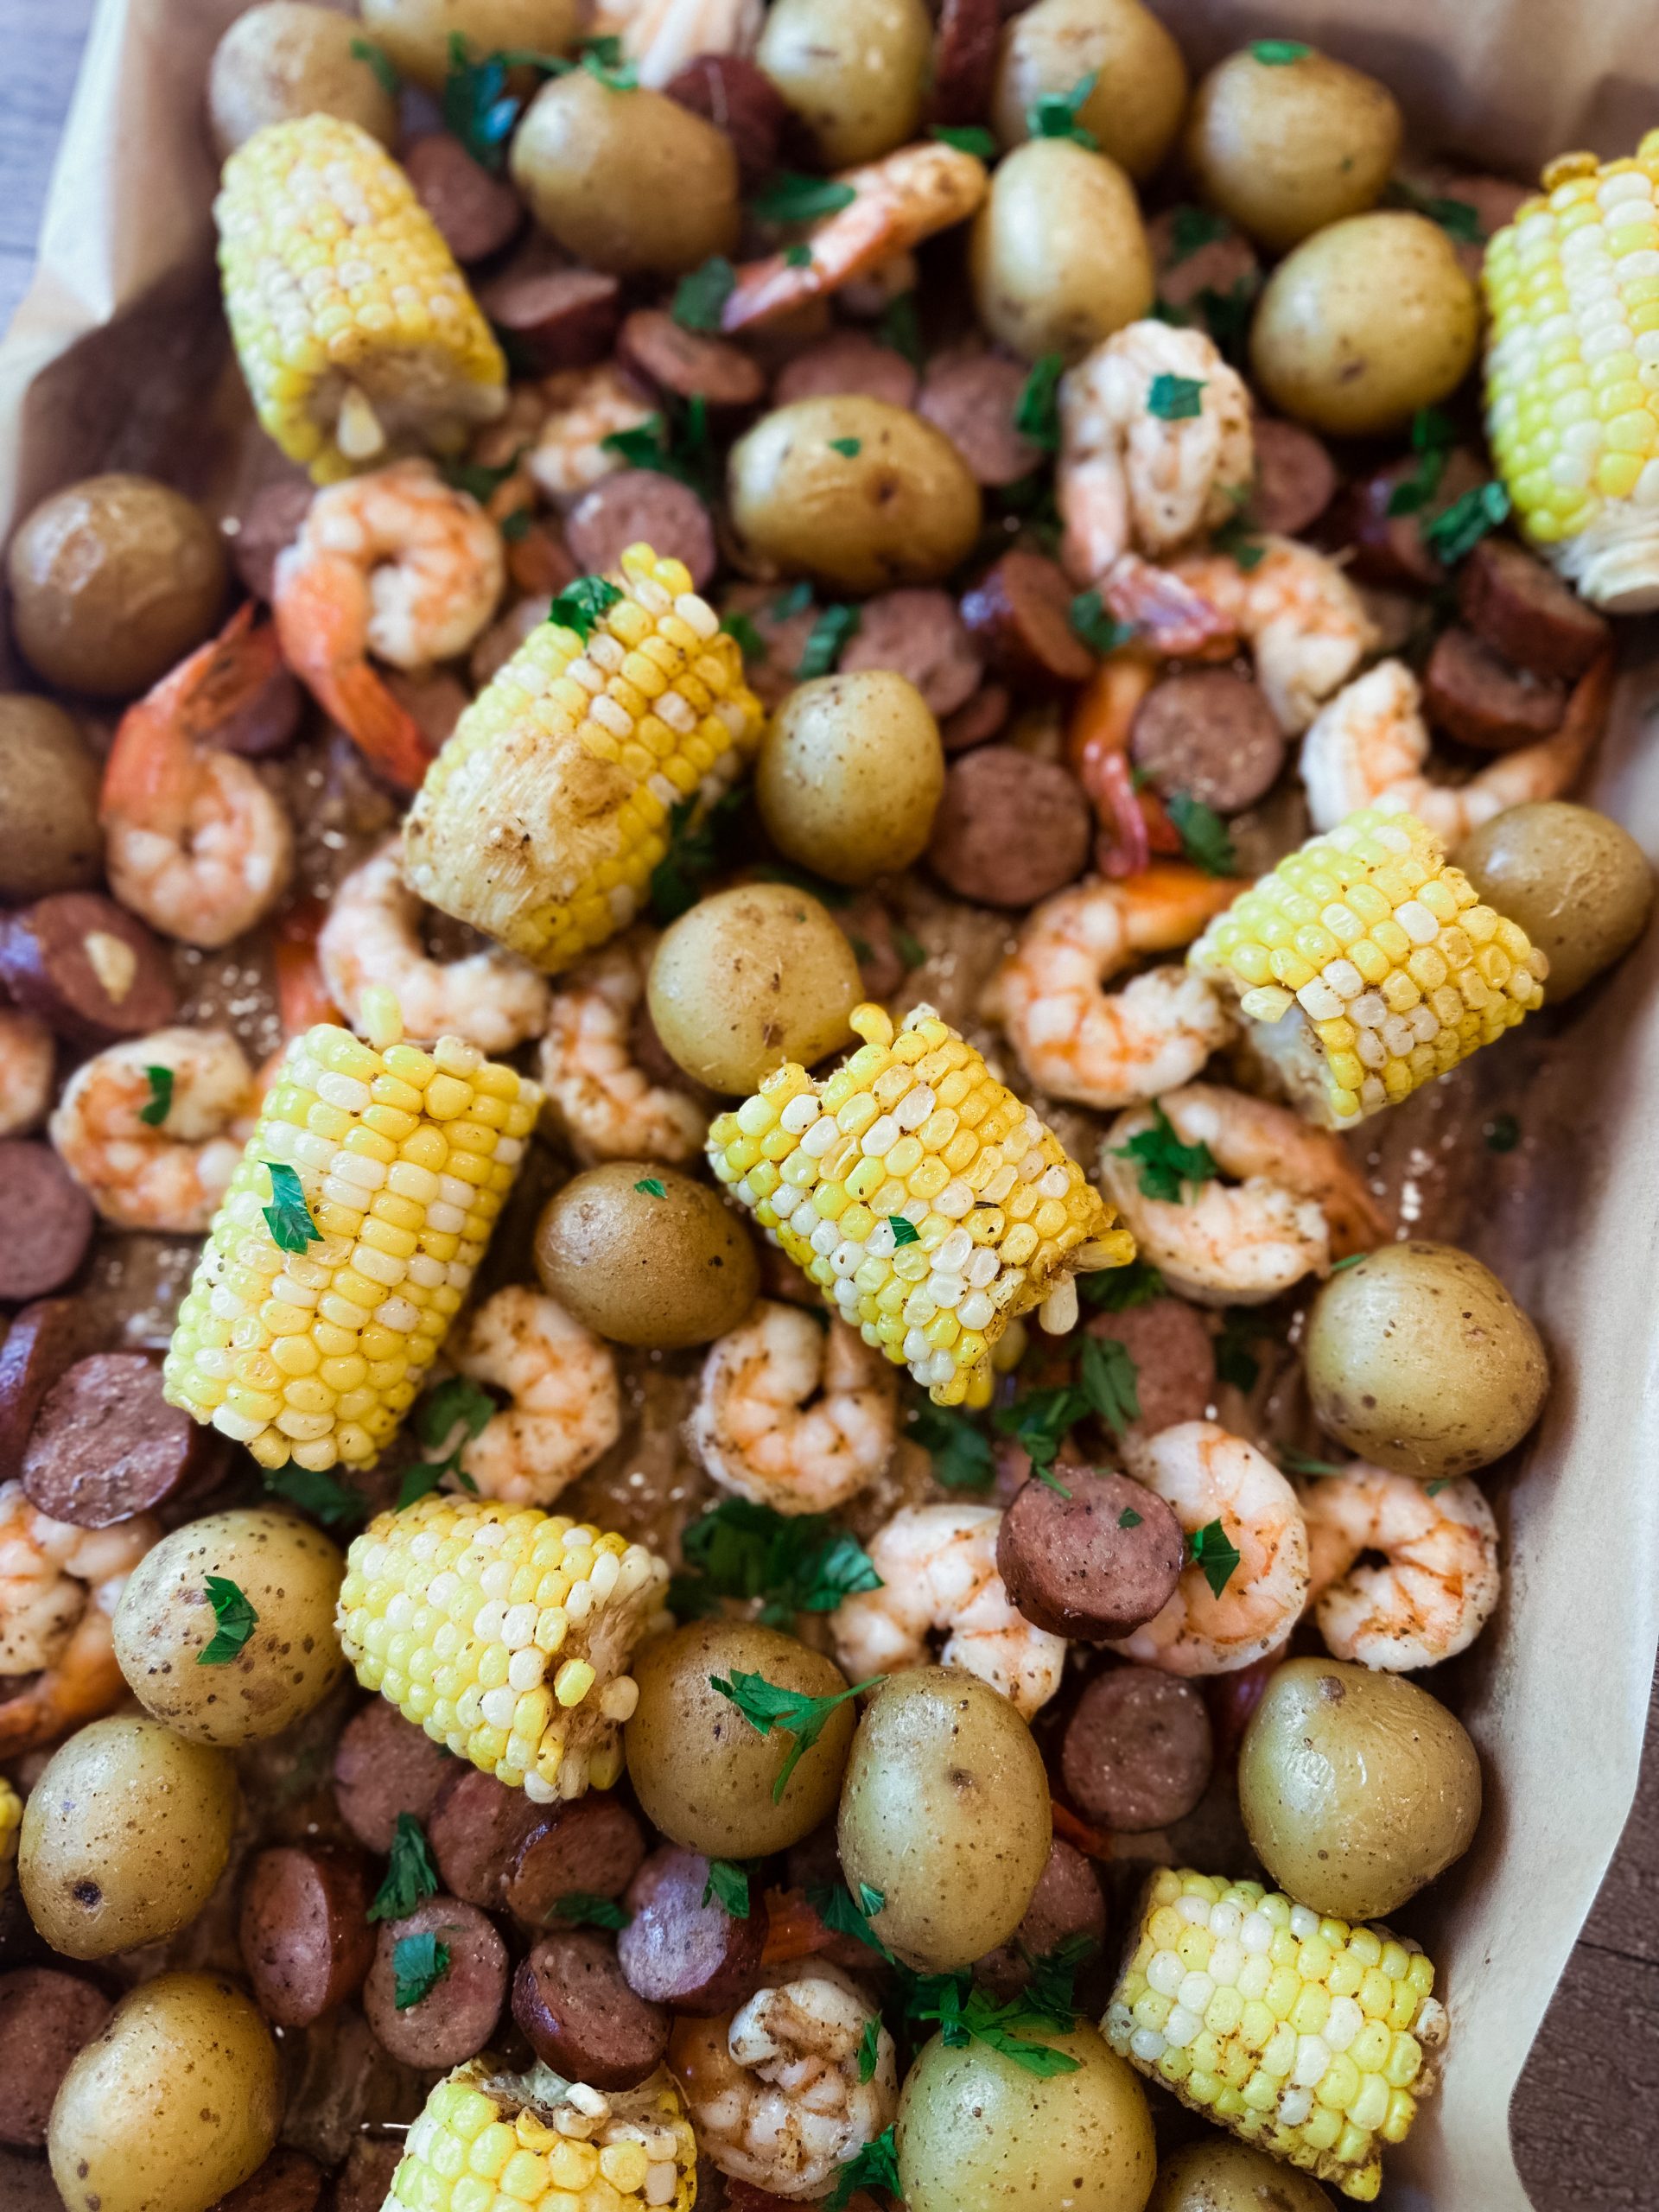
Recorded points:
1092,1566
457,2017
576,2011
1136,1753
680,1952
306,1939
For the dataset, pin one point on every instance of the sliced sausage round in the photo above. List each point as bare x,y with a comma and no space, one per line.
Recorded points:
49,1220
384,1765
847,361
555,318
290,2181
539,561
921,634
972,397
476,1827
1295,479
1189,261
1390,547
679,1952
1009,829
586,1847
267,527
784,636
1524,610
44,1341
46,2019
577,2013
1495,200
1094,1565
978,722
306,1939
107,1445
1174,1359
1475,695
362,2184
638,504
457,2017
266,723
964,59
1136,1753
689,364
477,214
740,100
90,970
1208,732
1066,1903
1021,611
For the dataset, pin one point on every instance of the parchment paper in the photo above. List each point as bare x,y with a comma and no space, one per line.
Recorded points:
1556,1691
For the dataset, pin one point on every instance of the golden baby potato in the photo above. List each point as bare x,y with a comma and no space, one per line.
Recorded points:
850,775
643,1255
853,70
1284,146
1058,253
414,34
288,59
1134,108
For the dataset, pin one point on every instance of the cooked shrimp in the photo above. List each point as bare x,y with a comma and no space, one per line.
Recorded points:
898,201
774,2089
1298,613
1438,1580
396,563
372,934
757,1429
597,1092
28,1056
59,1584
1370,745
566,1409
194,843
584,408
1076,1040
1298,1202
938,1565
660,37
1207,1476
171,1175
1132,481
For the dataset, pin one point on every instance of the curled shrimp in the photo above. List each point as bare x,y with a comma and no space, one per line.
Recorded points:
938,1565
28,1057
1076,1040
59,1584
396,563
1298,1202
170,1174
1302,620
1208,1475
660,37
1133,480
597,1093
566,1409
774,2089
1370,745
194,843
584,408
897,202
758,1428
1438,1580
372,936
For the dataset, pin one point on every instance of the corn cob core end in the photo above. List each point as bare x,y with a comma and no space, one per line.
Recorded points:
927,1201
1313,2039
1364,966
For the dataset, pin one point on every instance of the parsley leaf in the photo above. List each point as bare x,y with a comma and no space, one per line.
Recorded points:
849,449
1434,1489
1164,1162
960,1453
317,1491
1431,438
1115,1290
839,1912
966,2013
966,139
766,1706
899,328
603,58
1054,1973
818,886
1192,227
418,1965
1212,1549
379,61
1055,114
876,2166
652,1185
1466,522
477,478
1128,1518
1459,219
288,1217
446,1423
700,296
1234,539
795,1562
1110,1382
788,604
1235,1361
832,632
582,1909
1226,315
869,2050
792,198
1037,410
1203,833
1274,53
1039,1423
153,1111
1502,1133
799,255
410,1876
750,643
696,835
579,605
729,1885
908,946
236,1618
1352,1261
1100,631
516,525
1175,399
655,444
1304,1462
905,1230
478,108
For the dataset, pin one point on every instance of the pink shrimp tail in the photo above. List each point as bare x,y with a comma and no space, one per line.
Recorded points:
151,773
321,620
1169,613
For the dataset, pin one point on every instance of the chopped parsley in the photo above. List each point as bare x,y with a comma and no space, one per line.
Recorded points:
1128,1518
750,643
816,887
236,1618
583,1908
849,449
579,605
965,2012
1175,399
652,1186
899,328
1304,1462
1235,1361
418,1965
1352,1261
968,138
794,1563
908,946
478,478
1163,1162
876,2166
728,1886
832,633
869,2050
153,1111
1276,52
798,257
1431,438
1459,219
1502,1133
788,604
905,1230
1099,630
695,836
1226,315
1192,227
1212,1549
379,61
700,296
960,1453
410,1876
844,1916
1235,540
449,1417
766,1706
792,198
1457,532
1434,1489
1203,833
1039,1423
678,449
1037,410
316,1491
1055,114
1110,1382
477,106
515,525
288,1217
1115,1290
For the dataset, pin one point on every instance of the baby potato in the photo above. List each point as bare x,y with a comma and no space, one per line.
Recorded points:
643,1256
854,491
177,2101
748,979
703,1774
289,1572
1366,322
1221,2176
288,59
977,2133
1283,148
629,182
1419,1360
415,33
50,837
945,1811
1578,883
851,774
124,1836
1059,253
853,71
1357,1788
1134,106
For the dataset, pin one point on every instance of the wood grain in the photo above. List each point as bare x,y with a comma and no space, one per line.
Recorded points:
1582,2118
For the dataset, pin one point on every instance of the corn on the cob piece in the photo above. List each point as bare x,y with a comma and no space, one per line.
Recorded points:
489,2140
543,817
11,1815
1364,966
506,1633
914,1129
353,325
1311,2038
311,1349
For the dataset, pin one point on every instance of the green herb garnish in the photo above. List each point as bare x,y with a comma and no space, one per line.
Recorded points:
792,198
899,328
288,1217
153,1111
876,2166
844,1916
1164,1163
1352,1261
728,1886
1110,1382
477,106
418,1965
1457,217
478,479
1055,114
966,2013
849,449
1213,1550
1039,1421
794,1563
960,1453
966,139
1234,539
1235,1361
447,1420
1431,438
870,2048
832,633
1203,833
1304,1462
365,49
314,1490
1275,52
516,525
236,1618
1503,1133
1099,630
1457,532
1037,410
799,255
1128,1518
652,1185
750,643
818,886
579,605
1115,1290
583,1908
1175,399
905,1231
766,1706
680,450
788,604
700,297
1192,227
1434,1489
909,947
410,1876
695,836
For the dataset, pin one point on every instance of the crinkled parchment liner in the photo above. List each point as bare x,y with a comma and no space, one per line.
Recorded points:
1557,1691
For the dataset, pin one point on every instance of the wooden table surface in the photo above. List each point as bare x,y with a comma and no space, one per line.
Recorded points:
1586,2118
